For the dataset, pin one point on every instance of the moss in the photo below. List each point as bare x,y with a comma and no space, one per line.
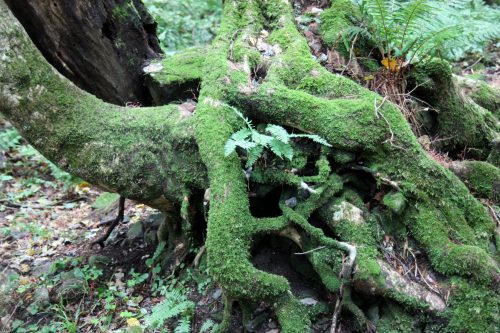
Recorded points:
142,153
395,201
474,308
181,67
464,124
334,21
488,97
395,320
482,178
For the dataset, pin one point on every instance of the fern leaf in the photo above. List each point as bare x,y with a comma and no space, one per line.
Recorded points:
241,135
315,138
184,326
207,326
229,147
279,133
253,155
173,305
261,139
281,149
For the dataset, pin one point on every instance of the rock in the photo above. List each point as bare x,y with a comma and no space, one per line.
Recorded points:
349,212
217,294
41,297
70,288
99,261
155,220
309,301
150,237
292,202
42,267
135,231
316,11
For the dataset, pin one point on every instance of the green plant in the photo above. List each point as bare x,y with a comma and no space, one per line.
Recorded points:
185,23
478,23
277,140
402,31
136,278
207,326
405,31
174,305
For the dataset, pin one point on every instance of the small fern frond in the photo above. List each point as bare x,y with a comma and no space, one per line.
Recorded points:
207,326
253,155
281,149
184,326
313,137
172,306
278,132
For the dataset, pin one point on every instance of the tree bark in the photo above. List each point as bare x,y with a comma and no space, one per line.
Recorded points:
102,46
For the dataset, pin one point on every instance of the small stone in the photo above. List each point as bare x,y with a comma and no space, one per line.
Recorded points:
98,260
316,11
150,237
71,287
42,267
217,294
41,297
292,202
349,212
135,231
309,301
323,58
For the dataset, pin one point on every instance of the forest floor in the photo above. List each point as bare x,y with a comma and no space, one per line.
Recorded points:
53,279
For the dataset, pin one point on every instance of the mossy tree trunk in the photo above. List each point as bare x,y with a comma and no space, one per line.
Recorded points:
169,155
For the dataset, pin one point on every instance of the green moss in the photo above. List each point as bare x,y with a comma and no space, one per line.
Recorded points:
395,320
334,22
482,178
464,124
474,308
488,97
395,201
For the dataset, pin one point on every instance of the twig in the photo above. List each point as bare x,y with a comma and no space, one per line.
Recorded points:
196,261
310,251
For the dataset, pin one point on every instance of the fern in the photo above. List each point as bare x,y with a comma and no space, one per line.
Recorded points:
184,326
207,326
277,140
174,305
407,31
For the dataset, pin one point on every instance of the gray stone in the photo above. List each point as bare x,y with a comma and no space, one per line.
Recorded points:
309,301
70,288
100,261
42,267
135,231
349,212
41,297
150,237
217,294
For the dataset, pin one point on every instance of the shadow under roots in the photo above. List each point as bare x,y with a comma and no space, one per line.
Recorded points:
277,255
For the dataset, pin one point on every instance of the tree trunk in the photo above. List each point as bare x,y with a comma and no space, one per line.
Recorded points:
373,191
102,46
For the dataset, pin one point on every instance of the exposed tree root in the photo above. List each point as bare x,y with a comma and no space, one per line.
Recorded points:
333,203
